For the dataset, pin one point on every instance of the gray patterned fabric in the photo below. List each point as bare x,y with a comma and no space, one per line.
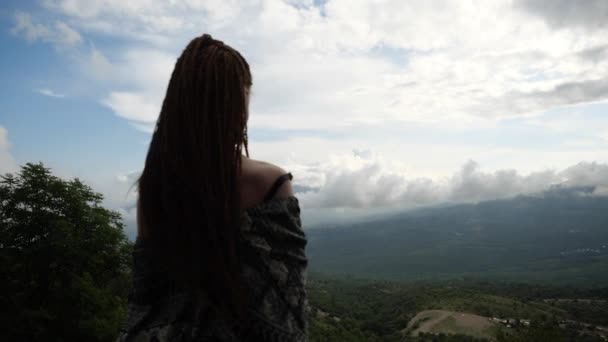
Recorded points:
275,268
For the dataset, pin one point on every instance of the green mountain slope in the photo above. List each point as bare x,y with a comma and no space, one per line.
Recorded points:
560,237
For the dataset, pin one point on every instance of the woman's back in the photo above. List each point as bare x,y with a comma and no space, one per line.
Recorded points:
273,266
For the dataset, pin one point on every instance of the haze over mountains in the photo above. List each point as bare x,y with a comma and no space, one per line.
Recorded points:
559,236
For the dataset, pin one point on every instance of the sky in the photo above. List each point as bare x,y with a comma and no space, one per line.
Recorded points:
372,105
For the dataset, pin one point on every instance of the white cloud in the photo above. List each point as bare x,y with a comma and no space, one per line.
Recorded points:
66,35
145,72
129,178
348,63
354,186
349,181
350,187
588,14
7,162
31,31
60,34
49,92
131,106
586,174
470,184
96,67
601,191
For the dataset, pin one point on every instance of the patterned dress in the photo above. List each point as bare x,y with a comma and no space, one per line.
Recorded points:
274,268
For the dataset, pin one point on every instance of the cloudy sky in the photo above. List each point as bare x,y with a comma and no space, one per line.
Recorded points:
370,104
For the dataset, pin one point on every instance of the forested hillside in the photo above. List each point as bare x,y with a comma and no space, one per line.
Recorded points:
349,309
560,236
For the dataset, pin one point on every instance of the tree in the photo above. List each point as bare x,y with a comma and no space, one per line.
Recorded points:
64,260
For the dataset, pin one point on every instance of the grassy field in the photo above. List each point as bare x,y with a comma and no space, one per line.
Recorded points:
451,322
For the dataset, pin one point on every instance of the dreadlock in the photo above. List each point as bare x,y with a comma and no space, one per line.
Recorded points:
189,194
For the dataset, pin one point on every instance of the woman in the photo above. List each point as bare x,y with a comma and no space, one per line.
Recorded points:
220,249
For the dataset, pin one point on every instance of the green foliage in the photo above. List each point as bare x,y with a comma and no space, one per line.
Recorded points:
591,311
64,260
549,331
371,310
321,330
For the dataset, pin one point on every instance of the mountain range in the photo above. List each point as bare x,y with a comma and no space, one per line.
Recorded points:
559,236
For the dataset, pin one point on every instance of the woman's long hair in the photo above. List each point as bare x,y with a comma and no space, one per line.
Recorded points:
189,191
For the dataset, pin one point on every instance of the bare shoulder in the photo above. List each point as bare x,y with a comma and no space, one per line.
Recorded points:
258,178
